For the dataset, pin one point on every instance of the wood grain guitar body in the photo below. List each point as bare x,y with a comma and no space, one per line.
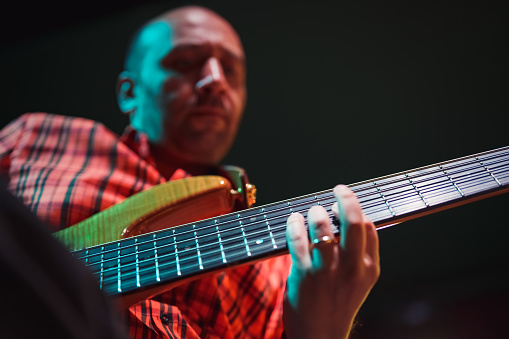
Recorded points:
166,205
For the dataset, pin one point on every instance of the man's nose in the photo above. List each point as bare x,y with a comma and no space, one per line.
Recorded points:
212,77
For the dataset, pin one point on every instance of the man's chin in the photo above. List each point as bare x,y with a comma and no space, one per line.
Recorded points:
201,124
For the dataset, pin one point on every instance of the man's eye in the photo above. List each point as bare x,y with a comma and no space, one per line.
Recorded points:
183,63
229,69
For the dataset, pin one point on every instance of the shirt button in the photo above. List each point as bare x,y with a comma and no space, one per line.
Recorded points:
165,318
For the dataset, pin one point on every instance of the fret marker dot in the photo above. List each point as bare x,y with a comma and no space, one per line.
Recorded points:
259,241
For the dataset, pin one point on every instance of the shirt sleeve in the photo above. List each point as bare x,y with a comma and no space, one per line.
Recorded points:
9,137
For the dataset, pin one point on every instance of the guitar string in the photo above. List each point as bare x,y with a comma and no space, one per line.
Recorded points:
439,175
184,260
399,196
261,226
234,256
214,234
193,248
396,196
202,247
191,255
204,253
146,274
405,183
112,281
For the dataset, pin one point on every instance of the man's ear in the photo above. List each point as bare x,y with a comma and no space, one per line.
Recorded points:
125,92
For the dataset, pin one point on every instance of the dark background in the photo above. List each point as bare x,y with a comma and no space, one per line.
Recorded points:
339,92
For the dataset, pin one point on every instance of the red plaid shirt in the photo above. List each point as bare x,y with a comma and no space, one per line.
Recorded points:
66,169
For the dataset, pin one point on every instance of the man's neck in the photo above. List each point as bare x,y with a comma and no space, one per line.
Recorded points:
167,164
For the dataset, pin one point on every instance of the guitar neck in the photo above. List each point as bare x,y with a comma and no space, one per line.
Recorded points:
185,252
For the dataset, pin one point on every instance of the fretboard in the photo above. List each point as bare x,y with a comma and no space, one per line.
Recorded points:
171,255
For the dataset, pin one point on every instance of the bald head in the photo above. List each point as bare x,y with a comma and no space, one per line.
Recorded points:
184,85
193,19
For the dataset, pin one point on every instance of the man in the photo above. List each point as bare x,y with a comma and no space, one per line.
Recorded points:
184,90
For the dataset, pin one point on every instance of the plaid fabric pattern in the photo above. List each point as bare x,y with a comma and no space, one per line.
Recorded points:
67,169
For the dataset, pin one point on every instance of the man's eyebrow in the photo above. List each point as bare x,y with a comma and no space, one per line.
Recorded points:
187,47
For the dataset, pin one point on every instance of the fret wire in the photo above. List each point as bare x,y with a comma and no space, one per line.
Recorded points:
204,254
402,180
404,184
281,234
491,161
184,232
502,172
478,177
393,191
244,236
430,190
238,255
444,185
466,175
396,181
395,199
156,259
452,181
231,247
378,209
449,192
456,165
407,199
183,252
137,263
274,245
176,253
437,186
220,242
395,195
119,284
175,242
197,247
182,260
482,185
187,232
102,270
477,180
495,163
489,172
385,200
236,244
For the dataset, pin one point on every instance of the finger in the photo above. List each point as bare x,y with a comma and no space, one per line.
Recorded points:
353,234
297,239
372,245
320,228
335,210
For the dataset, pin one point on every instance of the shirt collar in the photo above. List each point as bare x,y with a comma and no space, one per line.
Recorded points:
138,143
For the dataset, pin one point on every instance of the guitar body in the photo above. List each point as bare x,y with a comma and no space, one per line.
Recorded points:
170,204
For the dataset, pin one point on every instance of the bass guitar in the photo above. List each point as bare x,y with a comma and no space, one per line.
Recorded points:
153,240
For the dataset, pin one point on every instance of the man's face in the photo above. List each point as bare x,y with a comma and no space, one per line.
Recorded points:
189,87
